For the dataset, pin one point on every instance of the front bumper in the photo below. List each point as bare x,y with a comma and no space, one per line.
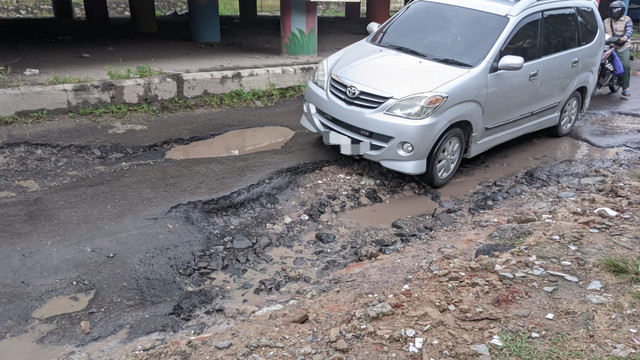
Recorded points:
369,132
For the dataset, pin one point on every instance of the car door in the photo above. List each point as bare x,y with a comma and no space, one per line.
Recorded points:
561,58
511,94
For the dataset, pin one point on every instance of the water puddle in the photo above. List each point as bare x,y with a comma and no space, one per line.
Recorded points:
499,162
63,305
236,142
26,346
386,213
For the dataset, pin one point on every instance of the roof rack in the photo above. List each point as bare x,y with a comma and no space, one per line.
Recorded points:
521,5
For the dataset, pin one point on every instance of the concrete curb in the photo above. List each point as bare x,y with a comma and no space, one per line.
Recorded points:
135,91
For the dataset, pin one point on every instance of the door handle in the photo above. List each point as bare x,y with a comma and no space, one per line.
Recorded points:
533,75
575,62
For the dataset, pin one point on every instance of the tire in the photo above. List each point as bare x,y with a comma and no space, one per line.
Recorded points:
615,86
445,157
568,115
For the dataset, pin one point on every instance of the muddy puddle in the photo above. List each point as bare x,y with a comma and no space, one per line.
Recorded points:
63,305
232,143
499,162
26,346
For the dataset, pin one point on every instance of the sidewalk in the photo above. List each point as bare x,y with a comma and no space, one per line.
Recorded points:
248,57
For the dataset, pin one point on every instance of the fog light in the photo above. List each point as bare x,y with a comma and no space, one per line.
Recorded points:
406,147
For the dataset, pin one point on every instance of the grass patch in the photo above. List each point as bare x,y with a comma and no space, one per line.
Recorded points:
126,72
4,71
66,79
521,346
233,99
626,267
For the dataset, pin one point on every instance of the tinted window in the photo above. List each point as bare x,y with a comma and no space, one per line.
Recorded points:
441,32
560,31
588,24
524,41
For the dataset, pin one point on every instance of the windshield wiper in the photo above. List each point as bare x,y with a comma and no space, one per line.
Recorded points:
451,62
406,50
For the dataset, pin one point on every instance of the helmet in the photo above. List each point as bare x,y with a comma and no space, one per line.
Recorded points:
617,9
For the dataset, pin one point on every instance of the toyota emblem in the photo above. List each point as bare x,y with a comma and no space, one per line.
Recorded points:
352,92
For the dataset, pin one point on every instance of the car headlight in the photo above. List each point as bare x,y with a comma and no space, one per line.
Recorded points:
319,76
417,106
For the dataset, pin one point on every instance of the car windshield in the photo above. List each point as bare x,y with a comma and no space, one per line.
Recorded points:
440,32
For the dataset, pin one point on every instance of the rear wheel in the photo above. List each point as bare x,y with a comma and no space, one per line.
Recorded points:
445,158
568,115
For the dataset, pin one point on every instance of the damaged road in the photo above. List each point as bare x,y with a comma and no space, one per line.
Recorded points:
272,254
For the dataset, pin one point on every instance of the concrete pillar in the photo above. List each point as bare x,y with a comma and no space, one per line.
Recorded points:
62,9
97,13
378,10
248,9
299,27
352,10
143,15
204,21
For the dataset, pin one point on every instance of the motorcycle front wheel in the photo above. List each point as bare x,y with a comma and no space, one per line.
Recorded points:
614,84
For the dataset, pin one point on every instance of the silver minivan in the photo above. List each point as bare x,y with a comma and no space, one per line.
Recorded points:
447,79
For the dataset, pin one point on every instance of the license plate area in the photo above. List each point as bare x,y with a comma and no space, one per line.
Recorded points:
348,146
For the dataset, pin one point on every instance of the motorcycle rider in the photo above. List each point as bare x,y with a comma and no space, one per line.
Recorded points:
621,26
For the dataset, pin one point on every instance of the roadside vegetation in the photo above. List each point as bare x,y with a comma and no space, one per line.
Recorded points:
233,99
141,71
66,79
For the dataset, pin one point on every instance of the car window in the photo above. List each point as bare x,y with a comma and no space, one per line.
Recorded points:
524,41
588,24
559,31
441,32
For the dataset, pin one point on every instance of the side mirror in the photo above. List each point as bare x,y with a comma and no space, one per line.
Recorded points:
511,62
372,27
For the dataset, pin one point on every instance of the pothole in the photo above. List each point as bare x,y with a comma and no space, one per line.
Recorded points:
237,142
63,305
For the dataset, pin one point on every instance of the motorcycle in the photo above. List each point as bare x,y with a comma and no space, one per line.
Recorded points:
606,75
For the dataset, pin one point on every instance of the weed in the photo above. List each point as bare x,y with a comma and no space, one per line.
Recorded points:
38,117
119,73
66,79
4,71
146,71
10,120
626,267
520,346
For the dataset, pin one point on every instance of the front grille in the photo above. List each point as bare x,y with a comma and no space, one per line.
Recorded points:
333,123
363,99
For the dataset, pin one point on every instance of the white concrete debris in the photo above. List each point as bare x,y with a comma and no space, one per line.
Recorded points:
550,316
30,72
269,309
496,341
606,212
595,285
535,335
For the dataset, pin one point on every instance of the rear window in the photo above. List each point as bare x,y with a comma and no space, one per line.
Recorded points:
441,32
588,25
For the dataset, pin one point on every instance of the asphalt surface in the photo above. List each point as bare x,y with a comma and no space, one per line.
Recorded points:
59,241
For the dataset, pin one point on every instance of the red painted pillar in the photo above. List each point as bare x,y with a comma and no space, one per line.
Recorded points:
352,10
378,10
299,27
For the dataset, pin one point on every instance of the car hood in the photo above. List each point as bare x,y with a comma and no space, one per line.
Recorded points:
390,72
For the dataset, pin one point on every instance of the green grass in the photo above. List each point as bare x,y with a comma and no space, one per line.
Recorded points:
142,71
233,99
66,79
627,268
4,71
521,346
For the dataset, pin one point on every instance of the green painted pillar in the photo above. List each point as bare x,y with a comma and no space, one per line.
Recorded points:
62,9
248,9
378,10
352,10
97,13
204,21
143,15
299,27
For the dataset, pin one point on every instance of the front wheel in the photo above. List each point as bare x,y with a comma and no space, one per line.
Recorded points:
568,115
614,84
444,159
